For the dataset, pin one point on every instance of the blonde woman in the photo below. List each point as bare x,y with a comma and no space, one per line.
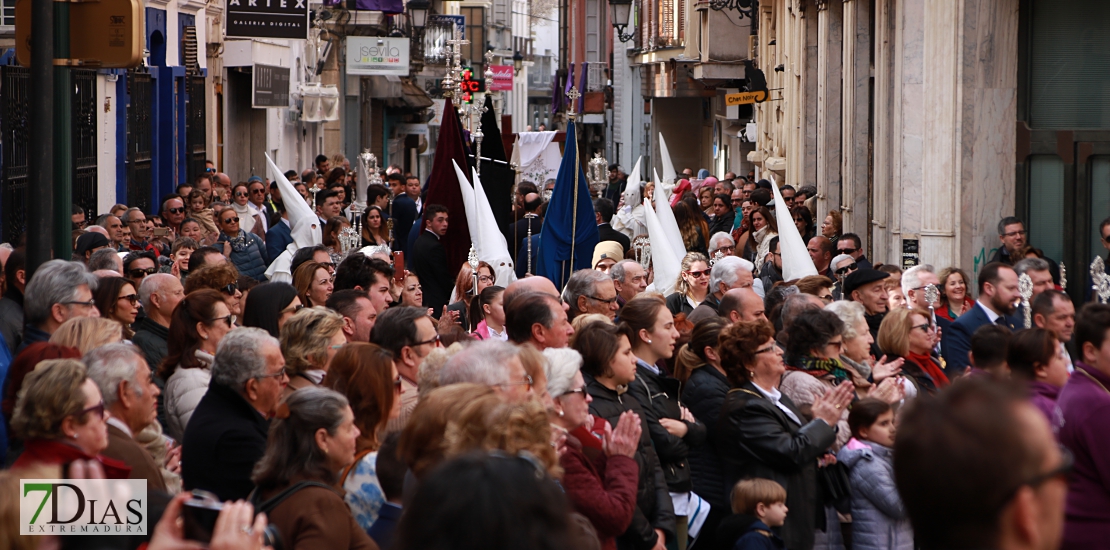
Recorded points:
309,340
88,333
692,286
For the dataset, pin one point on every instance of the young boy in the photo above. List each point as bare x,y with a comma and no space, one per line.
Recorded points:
766,500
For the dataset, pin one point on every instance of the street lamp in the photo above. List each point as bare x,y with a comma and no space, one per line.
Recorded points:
518,62
418,13
620,13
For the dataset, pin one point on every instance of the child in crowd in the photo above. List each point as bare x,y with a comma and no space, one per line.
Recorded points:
766,501
202,213
878,518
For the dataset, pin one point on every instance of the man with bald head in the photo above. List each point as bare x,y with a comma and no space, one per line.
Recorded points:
741,304
159,293
534,283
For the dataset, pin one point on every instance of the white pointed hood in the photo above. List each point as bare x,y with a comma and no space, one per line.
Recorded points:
796,262
631,193
304,224
670,177
665,261
489,243
667,221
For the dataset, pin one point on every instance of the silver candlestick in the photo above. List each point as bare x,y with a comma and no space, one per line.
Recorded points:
932,296
529,216
1063,277
1099,280
1025,288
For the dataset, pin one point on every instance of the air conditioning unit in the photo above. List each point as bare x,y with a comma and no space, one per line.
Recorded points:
313,110
329,102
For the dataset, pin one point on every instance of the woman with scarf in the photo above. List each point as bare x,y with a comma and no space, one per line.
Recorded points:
249,220
908,333
245,250
764,227
855,355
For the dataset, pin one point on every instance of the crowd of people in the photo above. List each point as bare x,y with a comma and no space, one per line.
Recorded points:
370,404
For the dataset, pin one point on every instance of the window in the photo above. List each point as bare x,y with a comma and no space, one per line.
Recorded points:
7,14
1100,201
1046,221
476,34
1069,83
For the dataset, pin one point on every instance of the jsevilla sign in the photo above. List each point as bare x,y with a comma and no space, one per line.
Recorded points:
745,98
267,19
502,78
377,55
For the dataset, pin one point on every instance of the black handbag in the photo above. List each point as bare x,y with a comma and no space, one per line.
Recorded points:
832,481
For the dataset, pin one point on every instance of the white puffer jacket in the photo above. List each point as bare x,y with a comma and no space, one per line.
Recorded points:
183,392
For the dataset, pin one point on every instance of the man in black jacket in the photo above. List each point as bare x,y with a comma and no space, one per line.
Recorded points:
226,435
603,209
429,259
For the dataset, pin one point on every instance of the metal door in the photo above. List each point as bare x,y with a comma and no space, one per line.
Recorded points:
14,106
140,93
195,128
84,141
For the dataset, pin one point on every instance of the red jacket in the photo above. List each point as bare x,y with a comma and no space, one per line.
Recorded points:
608,502
52,452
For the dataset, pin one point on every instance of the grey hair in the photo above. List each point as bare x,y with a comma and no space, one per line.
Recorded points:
239,356
911,278
716,238
583,283
560,365
126,217
840,258
105,258
793,306
724,271
1030,264
851,314
55,282
483,363
617,272
152,284
111,364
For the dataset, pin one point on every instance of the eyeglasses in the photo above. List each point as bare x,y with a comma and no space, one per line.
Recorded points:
140,273
143,220
1014,233
90,303
527,381
1067,462
230,289
232,220
850,267
839,344
764,350
433,340
927,327
291,309
603,300
98,409
698,274
737,202
485,279
133,298
827,298
175,210
581,391
229,318
279,374
330,266
727,250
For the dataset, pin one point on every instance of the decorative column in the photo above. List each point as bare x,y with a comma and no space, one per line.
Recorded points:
856,113
828,77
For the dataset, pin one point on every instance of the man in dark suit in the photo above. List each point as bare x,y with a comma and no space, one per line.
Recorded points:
429,259
129,393
404,215
998,296
226,435
518,231
279,236
603,210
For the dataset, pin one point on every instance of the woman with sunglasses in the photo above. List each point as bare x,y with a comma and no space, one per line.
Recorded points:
246,251
763,433
117,299
365,375
222,277
249,219
908,333
198,325
602,484
60,417
692,286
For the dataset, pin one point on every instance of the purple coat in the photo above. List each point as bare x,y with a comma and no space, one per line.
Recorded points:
1043,396
1081,426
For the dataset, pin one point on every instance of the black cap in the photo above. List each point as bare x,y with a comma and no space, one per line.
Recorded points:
861,277
90,241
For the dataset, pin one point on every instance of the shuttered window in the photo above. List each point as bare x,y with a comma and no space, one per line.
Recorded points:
1070,64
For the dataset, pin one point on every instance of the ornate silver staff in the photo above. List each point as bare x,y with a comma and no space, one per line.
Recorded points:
1063,277
477,135
597,174
1100,283
932,296
1025,287
472,259
529,216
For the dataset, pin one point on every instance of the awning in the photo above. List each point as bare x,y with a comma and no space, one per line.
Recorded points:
411,97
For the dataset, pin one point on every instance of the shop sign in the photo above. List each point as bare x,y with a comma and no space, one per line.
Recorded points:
502,78
745,98
377,55
267,19
269,87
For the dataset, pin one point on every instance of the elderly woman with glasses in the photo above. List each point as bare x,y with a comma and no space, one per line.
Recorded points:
365,375
60,417
245,250
197,327
909,334
764,434
309,341
600,471
692,286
